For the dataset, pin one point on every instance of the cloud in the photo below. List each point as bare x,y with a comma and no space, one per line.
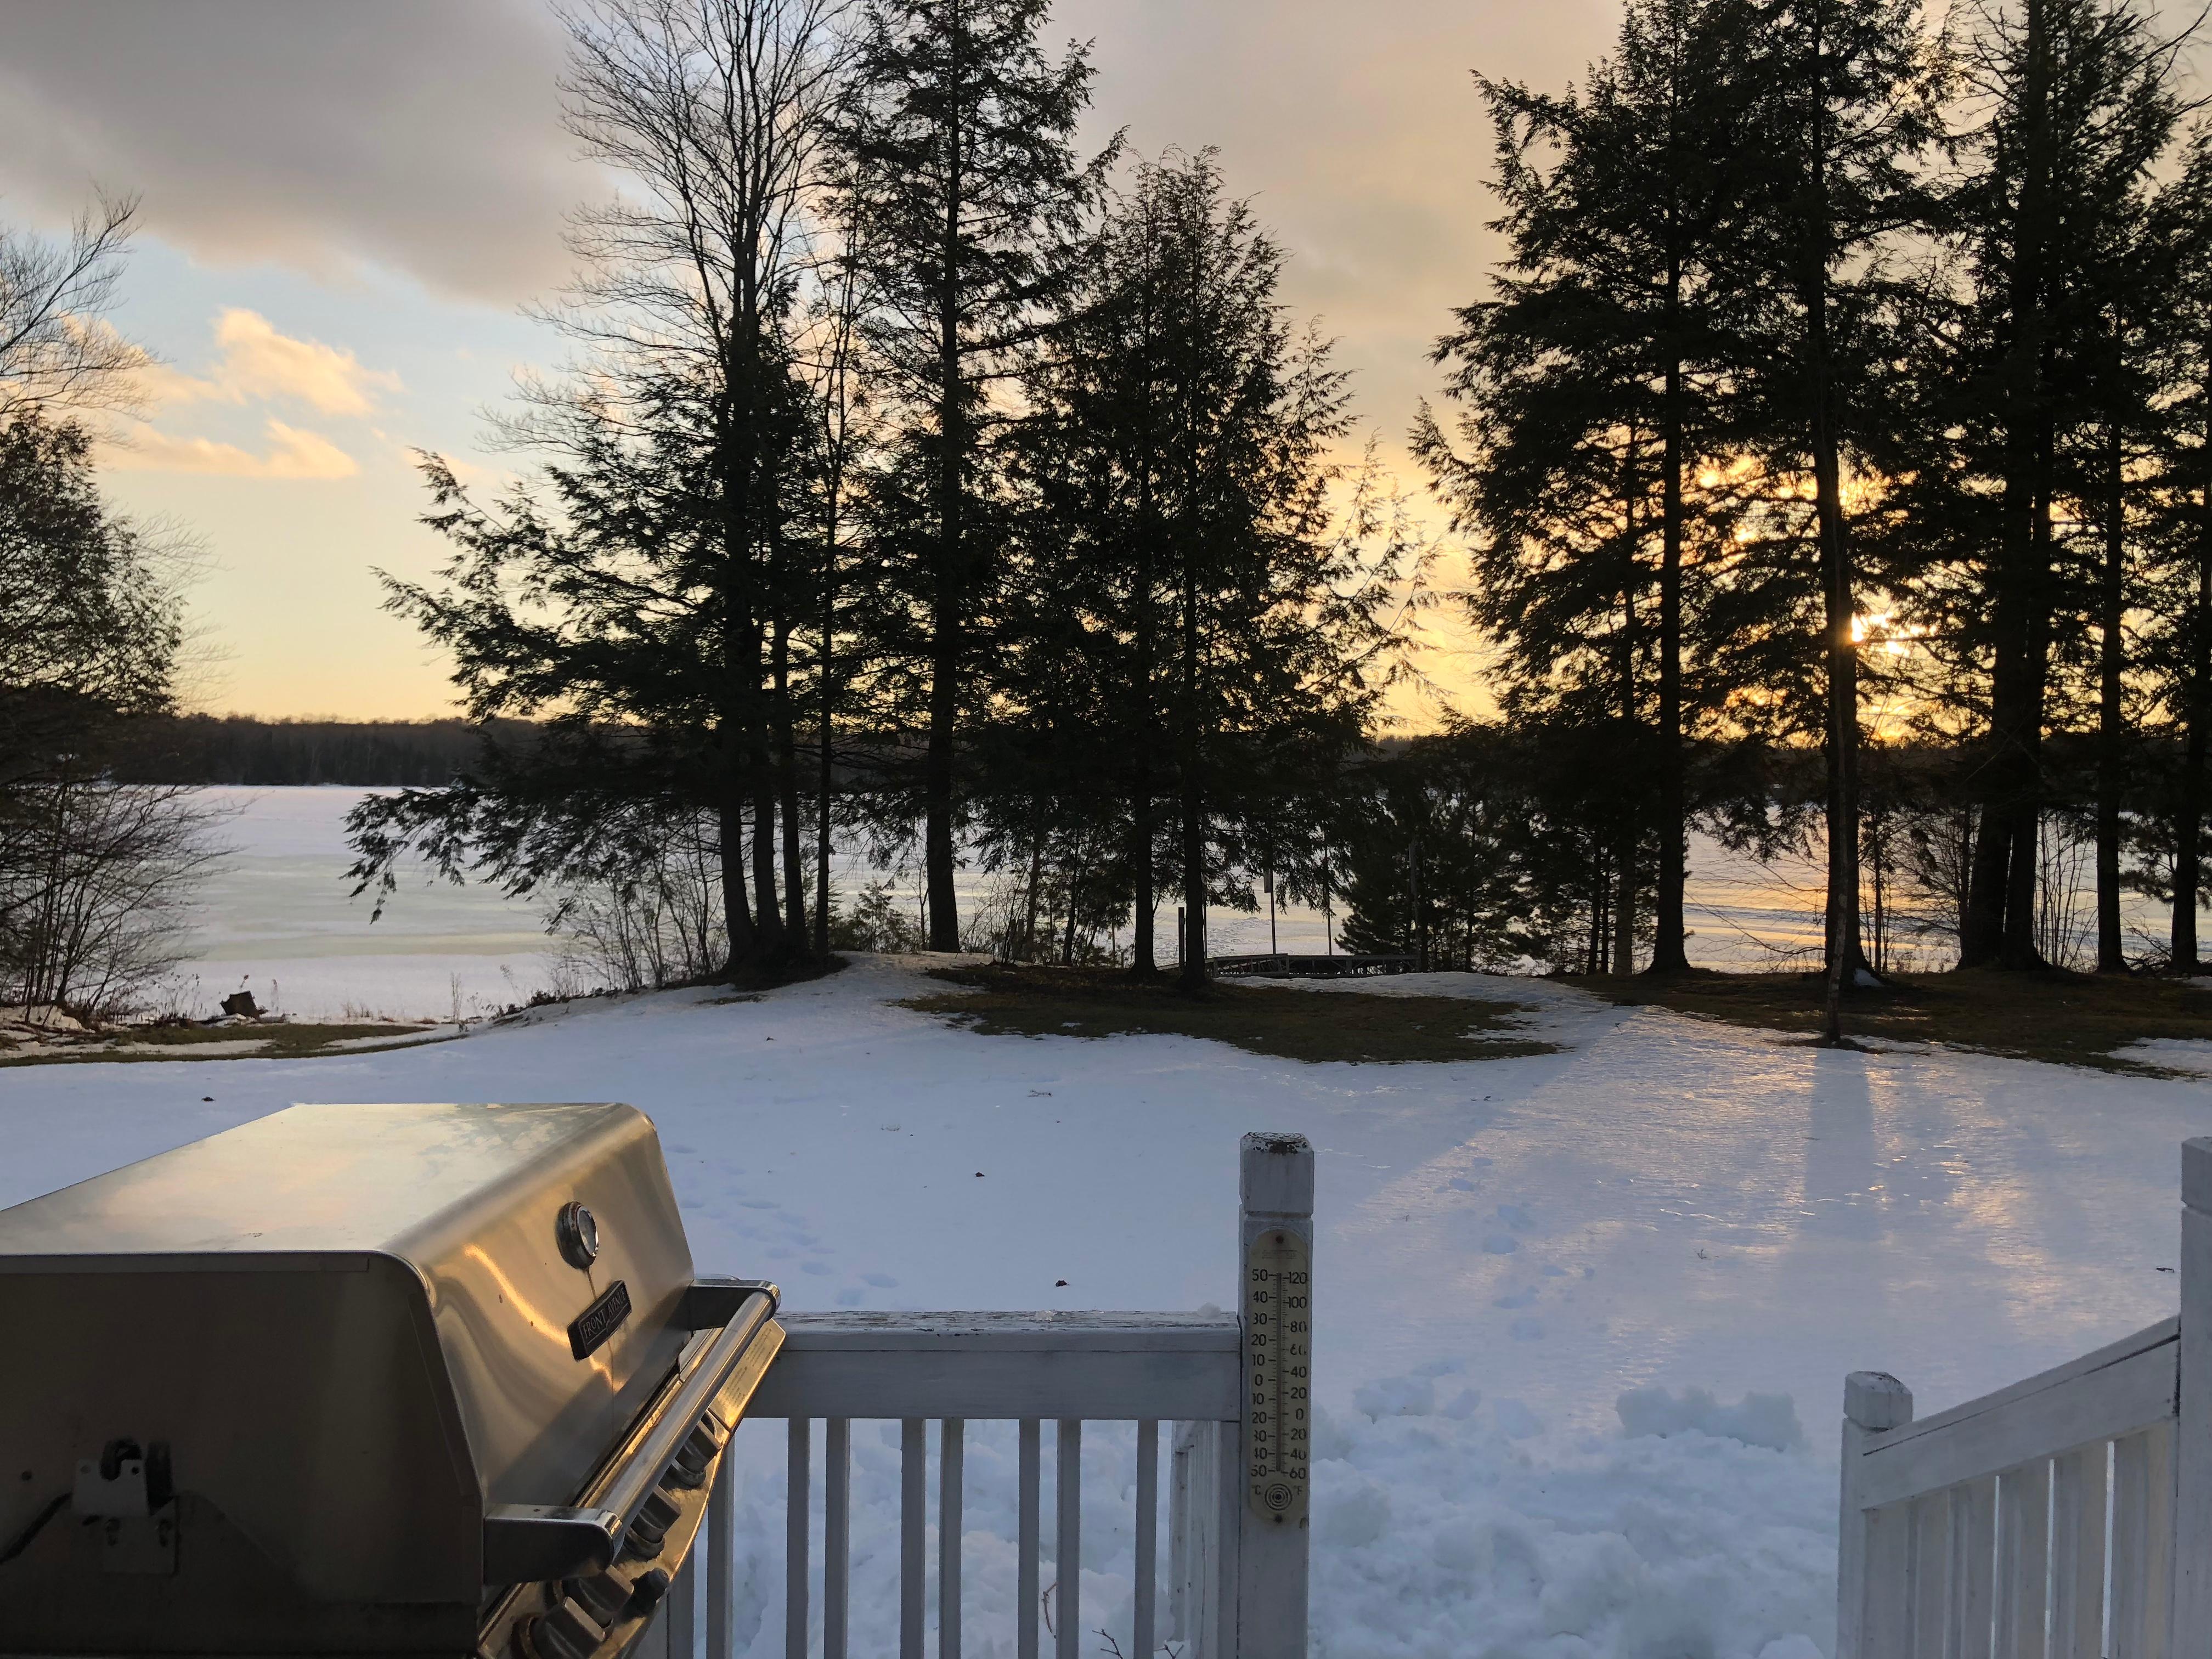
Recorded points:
293,453
256,362
417,135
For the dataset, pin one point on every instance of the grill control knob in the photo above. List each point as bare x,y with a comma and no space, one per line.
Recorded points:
578,1231
689,1468
602,1596
567,1633
642,1541
652,1585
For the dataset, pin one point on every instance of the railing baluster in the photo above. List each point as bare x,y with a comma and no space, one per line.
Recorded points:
722,1555
683,1610
1026,1544
836,1535
799,1479
914,1531
2023,1584
2162,1448
2077,1555
1931,1569
2143,1522
951,1458
1148,1536
1973,1549
1068,1544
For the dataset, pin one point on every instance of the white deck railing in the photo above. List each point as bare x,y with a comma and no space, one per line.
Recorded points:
2069,1516
1237,1577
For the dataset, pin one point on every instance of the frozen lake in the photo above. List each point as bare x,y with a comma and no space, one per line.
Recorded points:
277,918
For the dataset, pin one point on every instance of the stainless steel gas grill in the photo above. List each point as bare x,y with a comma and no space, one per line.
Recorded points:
419,1380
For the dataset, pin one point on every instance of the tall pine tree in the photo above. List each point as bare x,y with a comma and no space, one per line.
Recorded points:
961,137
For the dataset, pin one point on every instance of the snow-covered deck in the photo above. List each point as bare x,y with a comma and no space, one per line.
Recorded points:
1699,1219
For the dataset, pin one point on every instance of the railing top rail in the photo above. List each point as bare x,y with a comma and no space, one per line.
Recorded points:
2151,1336
2121,1389
1049,1332
1118,1366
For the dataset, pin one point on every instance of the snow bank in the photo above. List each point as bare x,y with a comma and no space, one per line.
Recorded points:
1449,1533
1436,1531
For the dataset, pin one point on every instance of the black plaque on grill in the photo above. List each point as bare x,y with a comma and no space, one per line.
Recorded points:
589,1330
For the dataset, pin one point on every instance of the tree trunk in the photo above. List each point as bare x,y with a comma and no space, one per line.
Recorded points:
787,778
1667,952
1624,898
737,916
1036,878
1193,795
2112,954
2000,922
949,594
767,913
1844,951
1144,955
2189,807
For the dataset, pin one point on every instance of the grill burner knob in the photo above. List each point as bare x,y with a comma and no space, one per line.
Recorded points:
690,1468
567,1633
642,1542
651,1587
604,1597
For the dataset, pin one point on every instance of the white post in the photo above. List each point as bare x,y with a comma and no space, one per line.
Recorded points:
2192,1444
1269,1497
1871,1549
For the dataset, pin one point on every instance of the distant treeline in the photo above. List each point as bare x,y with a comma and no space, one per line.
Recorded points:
199,748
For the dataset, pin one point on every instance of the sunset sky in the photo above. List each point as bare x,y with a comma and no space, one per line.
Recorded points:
347,206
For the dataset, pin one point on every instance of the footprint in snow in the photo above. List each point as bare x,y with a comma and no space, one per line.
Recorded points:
1516,1216
812,1267
756,1204
1500,1244
881,1281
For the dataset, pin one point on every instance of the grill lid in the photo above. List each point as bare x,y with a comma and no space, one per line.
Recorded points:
310,1356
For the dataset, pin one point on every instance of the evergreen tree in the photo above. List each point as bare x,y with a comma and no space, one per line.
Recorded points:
1850,106
1193,605
2080,103
1597,433
2182,576
960,139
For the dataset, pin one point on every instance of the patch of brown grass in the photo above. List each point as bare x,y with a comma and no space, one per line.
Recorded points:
176,1042
1003,1001
2067,1019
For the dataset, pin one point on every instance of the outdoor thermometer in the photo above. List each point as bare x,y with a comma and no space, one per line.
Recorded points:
1278,1368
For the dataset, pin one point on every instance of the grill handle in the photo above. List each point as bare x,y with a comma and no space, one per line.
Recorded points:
526,1543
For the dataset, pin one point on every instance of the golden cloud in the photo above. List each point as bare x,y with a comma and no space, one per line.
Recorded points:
292,453
257,362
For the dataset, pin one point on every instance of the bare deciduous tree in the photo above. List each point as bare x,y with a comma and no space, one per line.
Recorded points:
57,349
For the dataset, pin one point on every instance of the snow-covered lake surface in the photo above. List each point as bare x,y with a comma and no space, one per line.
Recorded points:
1717,1223
277,918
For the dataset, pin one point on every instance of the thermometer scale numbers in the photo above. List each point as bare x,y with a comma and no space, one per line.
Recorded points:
1277,1371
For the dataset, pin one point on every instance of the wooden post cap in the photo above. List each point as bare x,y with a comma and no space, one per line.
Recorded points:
2196,1174
1876,1401
1276,1174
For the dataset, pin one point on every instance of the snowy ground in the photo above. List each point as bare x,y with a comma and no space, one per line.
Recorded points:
1506,1248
